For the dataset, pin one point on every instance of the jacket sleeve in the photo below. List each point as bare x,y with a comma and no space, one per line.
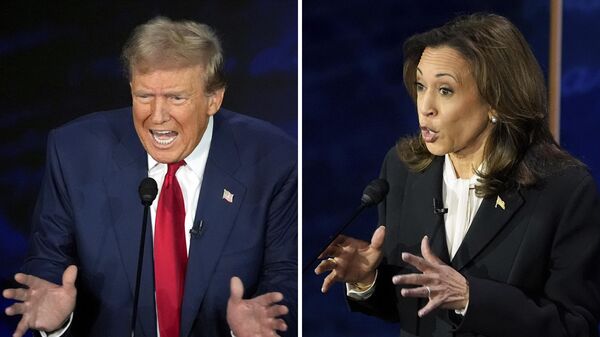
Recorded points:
51,247
280,267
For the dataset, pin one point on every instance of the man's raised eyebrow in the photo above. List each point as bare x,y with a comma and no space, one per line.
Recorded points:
175,93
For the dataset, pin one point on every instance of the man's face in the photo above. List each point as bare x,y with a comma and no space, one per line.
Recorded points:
171,110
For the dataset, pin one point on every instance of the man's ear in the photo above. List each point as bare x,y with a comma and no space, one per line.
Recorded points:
214,101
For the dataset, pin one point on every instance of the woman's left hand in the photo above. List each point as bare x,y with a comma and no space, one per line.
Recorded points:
443,285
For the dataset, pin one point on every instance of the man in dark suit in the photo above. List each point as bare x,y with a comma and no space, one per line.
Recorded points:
226,211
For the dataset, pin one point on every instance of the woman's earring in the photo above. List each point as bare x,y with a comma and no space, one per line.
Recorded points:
494,120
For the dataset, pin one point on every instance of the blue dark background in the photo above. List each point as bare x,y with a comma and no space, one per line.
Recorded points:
60,60
355,108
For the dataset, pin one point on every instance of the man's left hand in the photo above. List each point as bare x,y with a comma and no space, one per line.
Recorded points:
443,285
257,316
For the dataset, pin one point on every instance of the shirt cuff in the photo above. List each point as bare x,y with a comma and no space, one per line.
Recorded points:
361,294
462,312
59,332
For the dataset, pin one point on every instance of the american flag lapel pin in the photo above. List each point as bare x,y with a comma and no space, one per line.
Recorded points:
227,196
500,202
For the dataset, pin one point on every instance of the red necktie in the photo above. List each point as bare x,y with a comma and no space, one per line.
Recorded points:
170,253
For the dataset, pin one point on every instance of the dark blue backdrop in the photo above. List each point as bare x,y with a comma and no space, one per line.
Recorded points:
60,60
355,107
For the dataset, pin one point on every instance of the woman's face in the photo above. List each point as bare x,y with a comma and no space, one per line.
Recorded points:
453,116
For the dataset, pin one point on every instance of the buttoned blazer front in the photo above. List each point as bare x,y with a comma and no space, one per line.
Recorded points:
89,214
533,266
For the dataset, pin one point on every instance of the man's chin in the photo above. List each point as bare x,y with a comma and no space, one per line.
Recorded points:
164,156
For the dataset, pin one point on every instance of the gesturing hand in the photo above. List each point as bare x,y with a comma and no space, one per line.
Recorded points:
44,305
351,260
443,285
256,316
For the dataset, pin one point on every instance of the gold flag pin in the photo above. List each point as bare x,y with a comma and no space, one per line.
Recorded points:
500,202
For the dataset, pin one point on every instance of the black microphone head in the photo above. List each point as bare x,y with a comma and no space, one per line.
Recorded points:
148,191
374,192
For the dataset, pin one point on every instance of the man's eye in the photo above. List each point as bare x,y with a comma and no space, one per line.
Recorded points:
177,99
144,98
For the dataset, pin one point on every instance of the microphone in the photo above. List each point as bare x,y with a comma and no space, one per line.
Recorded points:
197,229
375,192
147,191
438,207
372,195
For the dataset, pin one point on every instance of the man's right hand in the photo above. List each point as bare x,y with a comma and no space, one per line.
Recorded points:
351,260
43,305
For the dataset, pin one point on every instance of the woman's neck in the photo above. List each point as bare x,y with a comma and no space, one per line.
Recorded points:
466,164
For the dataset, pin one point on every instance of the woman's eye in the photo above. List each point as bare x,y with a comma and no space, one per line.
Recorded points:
446,91
419,86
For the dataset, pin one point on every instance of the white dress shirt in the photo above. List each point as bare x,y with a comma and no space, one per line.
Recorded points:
189,177
462,203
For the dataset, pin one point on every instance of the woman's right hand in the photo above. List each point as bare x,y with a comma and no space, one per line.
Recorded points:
351,260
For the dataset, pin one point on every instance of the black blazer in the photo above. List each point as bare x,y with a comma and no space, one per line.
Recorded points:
533,268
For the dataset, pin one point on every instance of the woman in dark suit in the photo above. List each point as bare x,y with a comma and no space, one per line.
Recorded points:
491,229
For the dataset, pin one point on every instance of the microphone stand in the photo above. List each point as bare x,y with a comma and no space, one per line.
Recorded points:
139,269
356,212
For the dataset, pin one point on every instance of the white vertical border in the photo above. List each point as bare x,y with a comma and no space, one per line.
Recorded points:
299,168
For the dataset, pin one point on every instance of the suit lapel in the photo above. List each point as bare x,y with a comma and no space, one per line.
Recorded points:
128,169
424,188
214,220
488,221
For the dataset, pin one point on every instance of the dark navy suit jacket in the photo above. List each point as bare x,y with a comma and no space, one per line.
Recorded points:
89,214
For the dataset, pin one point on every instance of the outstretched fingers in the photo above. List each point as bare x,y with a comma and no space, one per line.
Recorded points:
277,310
21,328
236,288
15,309
378,237
427,253
69,276
416,292
334,249
430,306
278,324
325,265
25,279
18,294
269,298
418,262
413,279
329,281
